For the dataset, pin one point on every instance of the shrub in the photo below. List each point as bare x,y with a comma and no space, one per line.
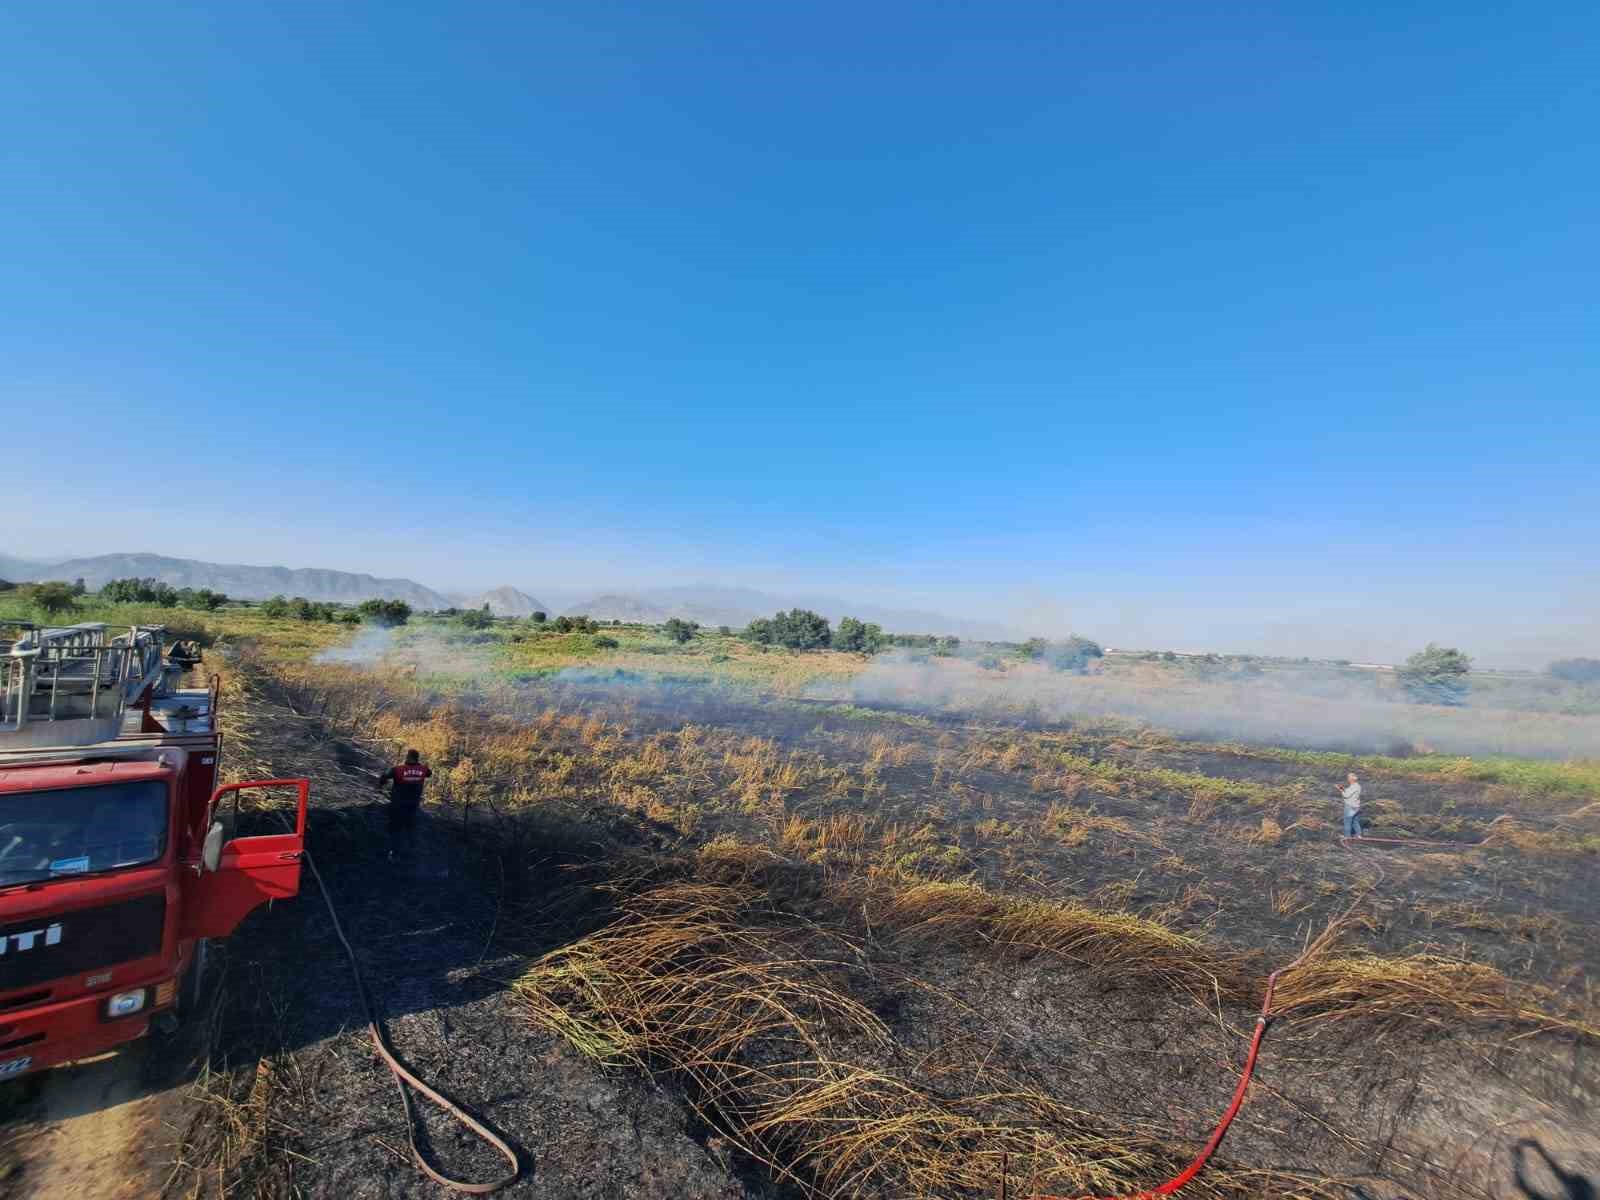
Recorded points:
476,618
860,636
384,612
724,631
53,597
602,642
7,586
1032,650
680,631
1074,654
1576,670
947,646
201,598
1436,675
79,586
539,618
277,606
140,591
579,624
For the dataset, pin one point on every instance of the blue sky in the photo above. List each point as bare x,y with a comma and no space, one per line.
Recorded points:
1248,327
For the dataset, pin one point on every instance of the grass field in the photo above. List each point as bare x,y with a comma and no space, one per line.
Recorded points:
887,950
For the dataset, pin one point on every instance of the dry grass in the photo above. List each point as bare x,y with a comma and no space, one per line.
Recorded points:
1448,993
964,914
755,1017
1074,826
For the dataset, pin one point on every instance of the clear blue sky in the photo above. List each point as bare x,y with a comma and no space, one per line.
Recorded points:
1254,327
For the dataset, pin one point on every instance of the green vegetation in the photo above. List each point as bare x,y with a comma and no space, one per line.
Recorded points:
386,613
1074,654
475,618
1436,675
680,631
574,625
858,636
797,629
53,598
1576,779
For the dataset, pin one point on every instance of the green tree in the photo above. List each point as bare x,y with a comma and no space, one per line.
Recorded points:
80,586
798,629
859,636
384,612
1033,649
1436,675
54,597
680,631
277,606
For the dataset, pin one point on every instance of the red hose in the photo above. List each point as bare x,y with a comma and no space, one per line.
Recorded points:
1188,1173
1408,842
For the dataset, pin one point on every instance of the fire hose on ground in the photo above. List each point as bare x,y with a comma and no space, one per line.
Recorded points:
403,1076
1263,1018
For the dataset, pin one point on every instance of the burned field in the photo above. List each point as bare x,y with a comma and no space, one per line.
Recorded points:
685,942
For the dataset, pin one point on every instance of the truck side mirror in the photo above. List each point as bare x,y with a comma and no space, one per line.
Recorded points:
211,851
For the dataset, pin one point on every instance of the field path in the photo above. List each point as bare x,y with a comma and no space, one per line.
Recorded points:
103,1129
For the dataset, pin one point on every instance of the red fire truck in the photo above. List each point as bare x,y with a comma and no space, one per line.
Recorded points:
117,854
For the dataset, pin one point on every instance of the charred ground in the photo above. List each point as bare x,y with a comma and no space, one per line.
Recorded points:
1000,951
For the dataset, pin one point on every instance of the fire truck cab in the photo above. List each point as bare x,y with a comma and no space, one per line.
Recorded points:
116,860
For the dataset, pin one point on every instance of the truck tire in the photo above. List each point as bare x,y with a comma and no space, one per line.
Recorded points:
194,981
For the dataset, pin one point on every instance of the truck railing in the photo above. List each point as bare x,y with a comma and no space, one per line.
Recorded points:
75,673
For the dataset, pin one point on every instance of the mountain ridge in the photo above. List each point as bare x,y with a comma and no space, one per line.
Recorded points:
505,601
239,580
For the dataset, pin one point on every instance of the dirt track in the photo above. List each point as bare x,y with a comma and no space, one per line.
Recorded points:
100,1130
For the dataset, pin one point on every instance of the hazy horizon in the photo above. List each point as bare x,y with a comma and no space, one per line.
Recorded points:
1266,332
1026,614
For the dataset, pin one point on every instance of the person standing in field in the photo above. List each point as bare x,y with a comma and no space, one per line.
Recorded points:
405,797
1351,795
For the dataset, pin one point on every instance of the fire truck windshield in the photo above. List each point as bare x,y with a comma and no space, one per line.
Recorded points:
78,831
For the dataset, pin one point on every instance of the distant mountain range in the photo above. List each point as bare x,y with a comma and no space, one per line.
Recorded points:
710,605
241,582
505,602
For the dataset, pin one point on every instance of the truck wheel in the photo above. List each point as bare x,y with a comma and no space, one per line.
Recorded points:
194,981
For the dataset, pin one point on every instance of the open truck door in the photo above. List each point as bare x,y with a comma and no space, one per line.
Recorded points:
236,877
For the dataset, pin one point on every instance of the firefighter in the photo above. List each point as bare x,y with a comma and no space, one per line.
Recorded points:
404,799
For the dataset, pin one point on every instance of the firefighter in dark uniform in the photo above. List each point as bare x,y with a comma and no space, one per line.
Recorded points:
404,799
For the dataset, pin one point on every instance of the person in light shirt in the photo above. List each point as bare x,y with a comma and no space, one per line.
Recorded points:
1351,795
